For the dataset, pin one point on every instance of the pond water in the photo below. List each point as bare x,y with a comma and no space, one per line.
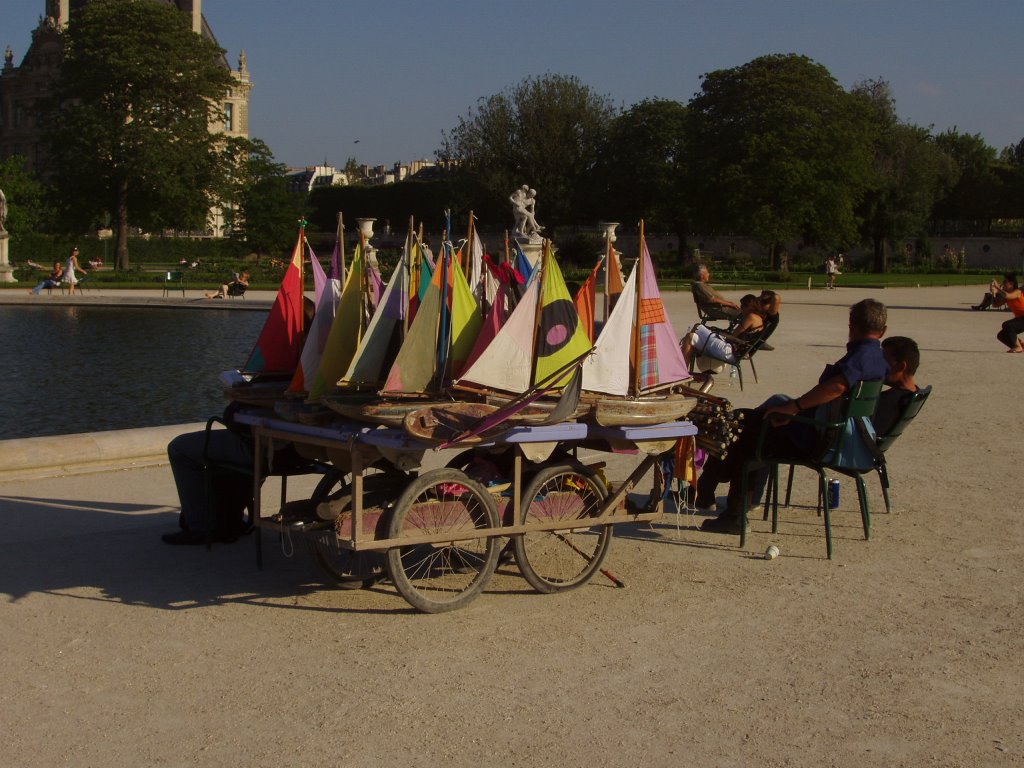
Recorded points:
87,369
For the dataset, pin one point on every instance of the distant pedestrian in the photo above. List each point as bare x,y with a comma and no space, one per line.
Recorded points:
831,270
70,279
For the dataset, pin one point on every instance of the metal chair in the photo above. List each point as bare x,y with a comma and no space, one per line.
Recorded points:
913,405
743,349
172,278
839,438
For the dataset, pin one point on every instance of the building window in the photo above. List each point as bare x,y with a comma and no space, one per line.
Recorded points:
229,117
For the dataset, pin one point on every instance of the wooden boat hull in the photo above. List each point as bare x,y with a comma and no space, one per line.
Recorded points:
440,423
624,412
389,413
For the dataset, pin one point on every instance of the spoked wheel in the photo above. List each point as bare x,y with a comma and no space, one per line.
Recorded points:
442,576
555,561
349,569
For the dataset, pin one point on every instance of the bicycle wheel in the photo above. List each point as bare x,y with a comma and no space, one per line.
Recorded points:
443,576
556,561
350,570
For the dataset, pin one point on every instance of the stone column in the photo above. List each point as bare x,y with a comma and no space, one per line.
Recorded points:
6,272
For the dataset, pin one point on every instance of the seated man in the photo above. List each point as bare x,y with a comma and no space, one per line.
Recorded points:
903,357
863,361
232,491
710,301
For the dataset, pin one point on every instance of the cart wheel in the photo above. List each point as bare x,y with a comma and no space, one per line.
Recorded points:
555,561
351,570
447,575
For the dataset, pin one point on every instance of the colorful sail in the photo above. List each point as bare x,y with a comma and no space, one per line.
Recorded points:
608,369
637,350
346,330
506,363
327,291
586,301
279,345
466,321
385,328
660,359
416,364
522,264
561,337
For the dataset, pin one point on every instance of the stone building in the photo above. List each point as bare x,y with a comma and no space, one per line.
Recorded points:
22,85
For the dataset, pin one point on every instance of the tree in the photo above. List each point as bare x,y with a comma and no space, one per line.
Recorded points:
777,149
545,131
639,173
130,119
26,199
910,173
263,213
974,198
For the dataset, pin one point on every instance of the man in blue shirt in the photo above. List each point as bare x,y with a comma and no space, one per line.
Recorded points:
863,361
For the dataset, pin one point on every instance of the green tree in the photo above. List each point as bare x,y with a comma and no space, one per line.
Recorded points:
640,170
27,209
777,149
130,119
262,212
973,200
544,131
910,172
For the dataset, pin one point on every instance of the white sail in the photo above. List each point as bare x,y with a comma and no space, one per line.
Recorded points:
607,370
507,363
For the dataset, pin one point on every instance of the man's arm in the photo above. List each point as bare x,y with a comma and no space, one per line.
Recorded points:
826,392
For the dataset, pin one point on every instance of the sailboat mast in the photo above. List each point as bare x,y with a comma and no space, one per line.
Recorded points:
637,352
341,249
608,256
411,270
545,254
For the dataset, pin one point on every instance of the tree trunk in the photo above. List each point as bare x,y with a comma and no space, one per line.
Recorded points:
880,265
684,257
121,217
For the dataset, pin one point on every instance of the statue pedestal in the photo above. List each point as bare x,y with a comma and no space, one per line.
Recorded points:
532,249
6,272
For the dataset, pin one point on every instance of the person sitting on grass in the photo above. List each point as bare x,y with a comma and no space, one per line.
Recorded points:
236,287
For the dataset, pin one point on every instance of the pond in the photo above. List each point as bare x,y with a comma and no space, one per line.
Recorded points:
74,369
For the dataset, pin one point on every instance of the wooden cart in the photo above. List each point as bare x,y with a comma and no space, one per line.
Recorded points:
440,531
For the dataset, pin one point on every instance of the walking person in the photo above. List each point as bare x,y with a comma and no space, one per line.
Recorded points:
70,279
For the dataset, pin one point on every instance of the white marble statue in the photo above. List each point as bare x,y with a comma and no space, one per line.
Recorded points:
524,206
3,211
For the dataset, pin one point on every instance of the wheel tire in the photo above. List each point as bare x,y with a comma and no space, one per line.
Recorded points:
434,578
348,569
557,561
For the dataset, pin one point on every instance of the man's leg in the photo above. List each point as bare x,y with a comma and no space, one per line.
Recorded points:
231,489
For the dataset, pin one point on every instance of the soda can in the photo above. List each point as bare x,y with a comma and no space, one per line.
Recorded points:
833,493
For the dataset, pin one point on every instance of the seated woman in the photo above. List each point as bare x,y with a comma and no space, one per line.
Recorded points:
702,340
1010,295
993,296
235,288
52,280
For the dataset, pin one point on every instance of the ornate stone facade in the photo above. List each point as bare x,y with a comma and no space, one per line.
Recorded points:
22,85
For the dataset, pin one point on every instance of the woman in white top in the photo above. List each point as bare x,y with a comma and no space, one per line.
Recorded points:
70,279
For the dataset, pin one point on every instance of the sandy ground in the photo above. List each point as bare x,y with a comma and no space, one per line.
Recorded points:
902,651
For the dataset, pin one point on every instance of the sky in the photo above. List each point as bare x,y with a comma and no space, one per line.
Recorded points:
382,81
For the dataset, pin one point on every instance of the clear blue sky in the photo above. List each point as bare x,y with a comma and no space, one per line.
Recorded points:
394,74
